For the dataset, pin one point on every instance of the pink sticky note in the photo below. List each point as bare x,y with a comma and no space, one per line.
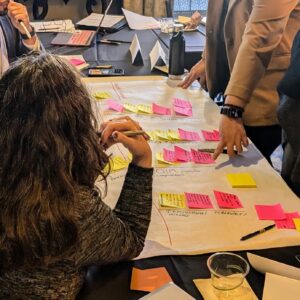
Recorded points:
226,200
270,212
76,61
288,222
182,103
211,135
201,157
160,110
169,155
182,154
198,200
183,111
188,135
113,105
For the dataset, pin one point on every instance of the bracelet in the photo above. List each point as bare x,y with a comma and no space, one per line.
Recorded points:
234,106
230,111
31,32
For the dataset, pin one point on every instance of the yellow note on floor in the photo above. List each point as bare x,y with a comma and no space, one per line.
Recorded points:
145,109
131,107
173,135
297,224
172,200
102,95
241,180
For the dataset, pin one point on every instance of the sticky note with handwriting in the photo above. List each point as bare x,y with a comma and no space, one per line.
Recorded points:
113,105
227,200
182,154
181,103
172,200
131,107
162,135
183,111
188,135
198,201
288,222
145,109
149,280
169,155
270,212
211,135
160,159
201,157
160,110
241,180
173,135
102,95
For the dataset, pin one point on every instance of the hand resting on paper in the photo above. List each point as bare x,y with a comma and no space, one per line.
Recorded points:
111,133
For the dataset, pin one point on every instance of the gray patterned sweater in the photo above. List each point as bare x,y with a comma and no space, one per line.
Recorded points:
105,236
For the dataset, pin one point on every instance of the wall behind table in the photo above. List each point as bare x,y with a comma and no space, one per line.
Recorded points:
57,9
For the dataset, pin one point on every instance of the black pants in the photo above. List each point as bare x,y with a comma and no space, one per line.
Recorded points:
265,138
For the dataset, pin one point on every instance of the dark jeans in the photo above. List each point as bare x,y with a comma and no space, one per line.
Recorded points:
265,138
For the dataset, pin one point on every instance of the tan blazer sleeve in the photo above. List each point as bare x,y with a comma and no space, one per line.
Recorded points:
263,33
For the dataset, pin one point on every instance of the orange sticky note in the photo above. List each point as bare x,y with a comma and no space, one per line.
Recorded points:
150,279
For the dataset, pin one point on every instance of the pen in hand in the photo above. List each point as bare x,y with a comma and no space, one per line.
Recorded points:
131,133
255,233
25,29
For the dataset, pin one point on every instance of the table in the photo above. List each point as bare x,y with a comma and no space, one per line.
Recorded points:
112,282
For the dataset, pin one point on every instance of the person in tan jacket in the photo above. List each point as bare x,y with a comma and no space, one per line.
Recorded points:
248,45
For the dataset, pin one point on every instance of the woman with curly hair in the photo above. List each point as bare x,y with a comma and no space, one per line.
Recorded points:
53,222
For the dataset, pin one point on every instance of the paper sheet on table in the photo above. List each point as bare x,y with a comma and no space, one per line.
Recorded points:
168,291
93,20
139,22
280,287
54,26
266,265
207,291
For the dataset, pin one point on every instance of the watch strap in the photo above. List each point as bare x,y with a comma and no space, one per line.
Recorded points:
32,34
232,111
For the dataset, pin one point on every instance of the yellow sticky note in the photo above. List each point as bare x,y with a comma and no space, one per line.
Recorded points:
241,180
172,200
297,224
102,95
131,107
162,135
160,159
151,135
118,163
173,135
145,109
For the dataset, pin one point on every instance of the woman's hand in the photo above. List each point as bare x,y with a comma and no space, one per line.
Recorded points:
111,133
197,72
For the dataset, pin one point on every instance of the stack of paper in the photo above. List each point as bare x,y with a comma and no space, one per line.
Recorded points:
53,26
93,20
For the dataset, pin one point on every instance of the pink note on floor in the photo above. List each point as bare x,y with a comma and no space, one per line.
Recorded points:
182,103
182,154
201,157
113,105
169,155
183,111
198,200
160,110
226,200
188,135
270,212
288,222
76,61
211,135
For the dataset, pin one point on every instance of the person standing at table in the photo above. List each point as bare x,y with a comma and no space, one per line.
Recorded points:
248,46
53,222
13,39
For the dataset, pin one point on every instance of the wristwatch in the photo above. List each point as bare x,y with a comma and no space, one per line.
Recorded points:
232,111
31,32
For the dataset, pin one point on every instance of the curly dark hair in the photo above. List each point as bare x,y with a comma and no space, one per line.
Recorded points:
49,149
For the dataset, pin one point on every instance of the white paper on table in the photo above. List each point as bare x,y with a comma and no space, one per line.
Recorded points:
139,22
135,50
168,291
157,53
94,20
53,26
265,265
280,287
